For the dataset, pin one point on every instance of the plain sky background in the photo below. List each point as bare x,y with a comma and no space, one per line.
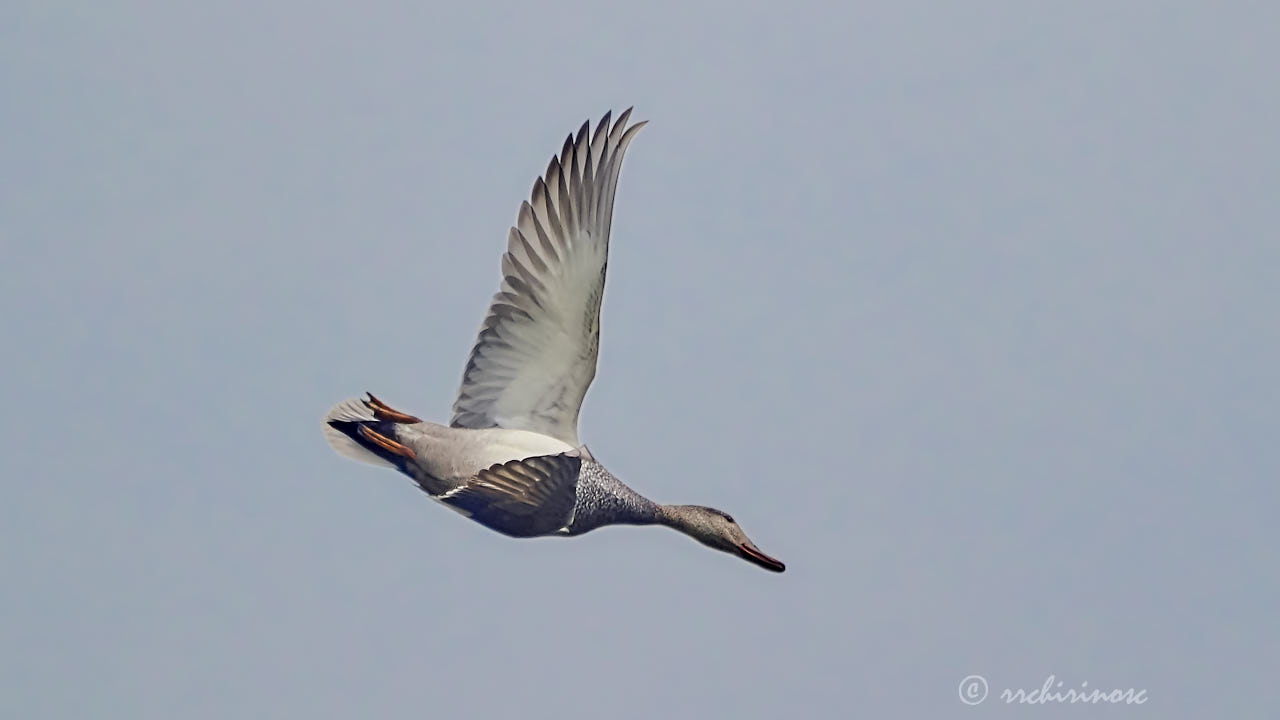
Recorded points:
966,311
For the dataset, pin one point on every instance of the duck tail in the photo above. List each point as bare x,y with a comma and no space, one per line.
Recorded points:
365,430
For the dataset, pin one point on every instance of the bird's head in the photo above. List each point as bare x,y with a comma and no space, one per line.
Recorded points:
718,530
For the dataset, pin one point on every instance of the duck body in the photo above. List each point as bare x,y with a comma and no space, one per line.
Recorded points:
575,493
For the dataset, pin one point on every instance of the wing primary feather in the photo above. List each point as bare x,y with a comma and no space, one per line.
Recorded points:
581,161
591,203
601,128
535,260
554,202
563,207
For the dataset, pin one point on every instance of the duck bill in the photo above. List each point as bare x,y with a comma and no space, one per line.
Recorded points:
751,553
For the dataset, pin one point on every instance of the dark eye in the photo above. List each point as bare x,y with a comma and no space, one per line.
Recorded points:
729,518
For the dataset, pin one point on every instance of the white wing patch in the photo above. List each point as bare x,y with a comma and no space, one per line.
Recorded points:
536,353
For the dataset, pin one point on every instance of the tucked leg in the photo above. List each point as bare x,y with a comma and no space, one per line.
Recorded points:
387,443
382,411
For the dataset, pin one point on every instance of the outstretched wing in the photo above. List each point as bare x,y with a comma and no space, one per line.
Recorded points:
523,498
536,354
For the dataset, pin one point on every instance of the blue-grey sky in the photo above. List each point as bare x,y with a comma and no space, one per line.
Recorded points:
966,311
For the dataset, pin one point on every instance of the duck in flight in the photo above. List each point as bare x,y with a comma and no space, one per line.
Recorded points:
510,458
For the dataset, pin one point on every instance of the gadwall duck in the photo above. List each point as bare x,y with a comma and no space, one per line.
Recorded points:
510,458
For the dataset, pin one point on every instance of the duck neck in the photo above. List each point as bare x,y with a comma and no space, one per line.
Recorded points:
605,500
674,517
636,509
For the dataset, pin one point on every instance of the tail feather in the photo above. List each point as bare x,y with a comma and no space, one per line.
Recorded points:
342,431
